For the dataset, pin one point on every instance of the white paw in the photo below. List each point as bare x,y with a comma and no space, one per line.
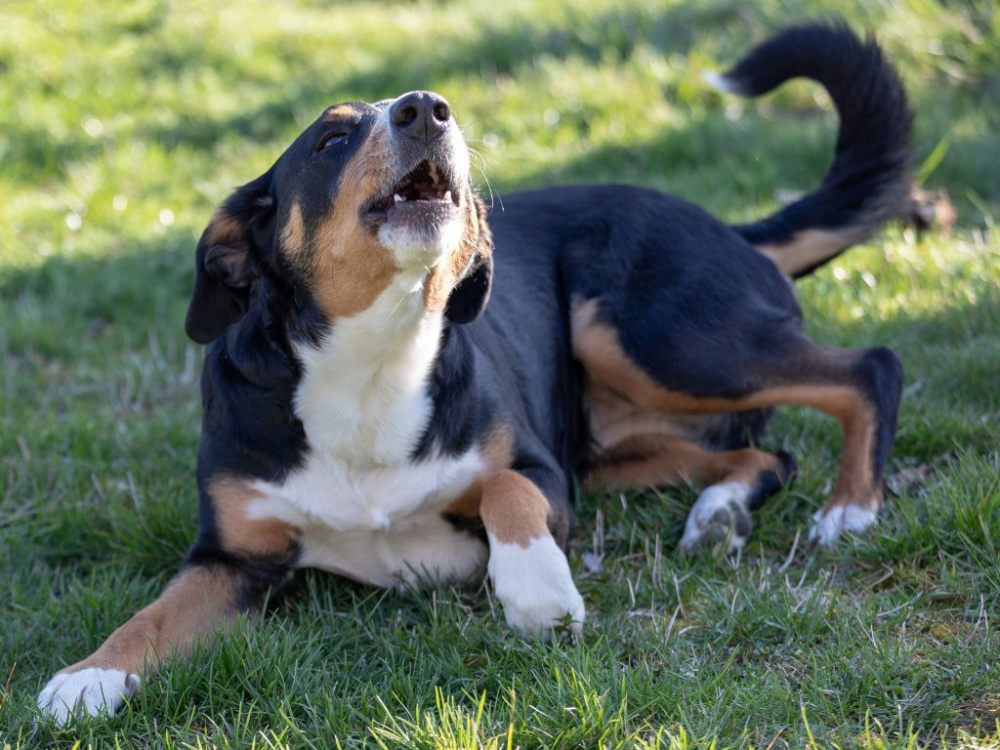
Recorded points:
536,588
828,526
86,692
719,515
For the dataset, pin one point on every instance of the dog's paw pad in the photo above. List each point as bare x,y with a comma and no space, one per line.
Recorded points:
536,588
719,516
829,524
86,692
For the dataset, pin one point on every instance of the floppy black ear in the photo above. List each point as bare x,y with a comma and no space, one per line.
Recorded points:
223,267
469,297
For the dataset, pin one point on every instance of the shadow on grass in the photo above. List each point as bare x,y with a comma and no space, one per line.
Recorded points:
78,299
70,304
426,63
756,153
747,147
422,63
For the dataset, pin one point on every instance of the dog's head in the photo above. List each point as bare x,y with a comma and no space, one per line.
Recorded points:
364,194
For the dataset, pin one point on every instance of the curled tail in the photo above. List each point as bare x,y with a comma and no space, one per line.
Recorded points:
869,181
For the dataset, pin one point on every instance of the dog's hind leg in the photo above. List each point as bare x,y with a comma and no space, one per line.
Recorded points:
739,482
859,388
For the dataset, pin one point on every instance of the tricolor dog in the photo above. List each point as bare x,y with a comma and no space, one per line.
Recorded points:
368,413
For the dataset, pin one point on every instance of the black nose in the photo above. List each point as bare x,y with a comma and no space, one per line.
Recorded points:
423,115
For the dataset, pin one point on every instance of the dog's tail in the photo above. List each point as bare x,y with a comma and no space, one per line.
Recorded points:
869,181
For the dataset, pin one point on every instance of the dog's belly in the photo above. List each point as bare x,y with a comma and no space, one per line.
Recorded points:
382,526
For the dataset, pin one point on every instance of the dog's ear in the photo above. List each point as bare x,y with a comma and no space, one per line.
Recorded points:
469,297
223,264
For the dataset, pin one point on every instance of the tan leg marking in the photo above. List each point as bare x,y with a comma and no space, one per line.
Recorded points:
497,451
530,573
809,247
614,419
513,509
195,604
241,534
598,348
657,460
201,601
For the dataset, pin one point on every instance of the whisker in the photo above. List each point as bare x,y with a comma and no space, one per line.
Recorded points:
481,157
392,311
493,193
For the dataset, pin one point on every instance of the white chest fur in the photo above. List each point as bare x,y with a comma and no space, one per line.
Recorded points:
363,396
366,509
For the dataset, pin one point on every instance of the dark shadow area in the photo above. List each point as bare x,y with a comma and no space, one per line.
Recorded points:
504,52
32,155
87,301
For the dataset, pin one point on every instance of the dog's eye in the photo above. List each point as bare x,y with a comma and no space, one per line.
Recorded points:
331,139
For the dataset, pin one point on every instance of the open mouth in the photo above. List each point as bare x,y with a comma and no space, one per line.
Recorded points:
425,187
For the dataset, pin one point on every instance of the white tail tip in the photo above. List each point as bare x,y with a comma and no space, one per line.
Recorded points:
720,82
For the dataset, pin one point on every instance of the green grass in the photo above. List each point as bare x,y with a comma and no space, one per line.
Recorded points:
123,124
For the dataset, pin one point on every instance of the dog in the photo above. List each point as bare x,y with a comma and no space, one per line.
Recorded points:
366,412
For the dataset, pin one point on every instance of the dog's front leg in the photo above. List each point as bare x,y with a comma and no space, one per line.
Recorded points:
528,569
240,557
204,599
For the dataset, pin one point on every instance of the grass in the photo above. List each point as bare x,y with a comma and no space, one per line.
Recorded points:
123,124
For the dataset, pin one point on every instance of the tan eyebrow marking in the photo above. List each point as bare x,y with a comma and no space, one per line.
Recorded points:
340,112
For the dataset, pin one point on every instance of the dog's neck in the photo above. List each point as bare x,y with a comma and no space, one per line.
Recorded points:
363,394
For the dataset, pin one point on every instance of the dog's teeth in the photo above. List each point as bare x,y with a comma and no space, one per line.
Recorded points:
446,196
398,198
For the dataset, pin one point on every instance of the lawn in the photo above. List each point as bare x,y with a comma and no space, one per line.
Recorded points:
122,124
